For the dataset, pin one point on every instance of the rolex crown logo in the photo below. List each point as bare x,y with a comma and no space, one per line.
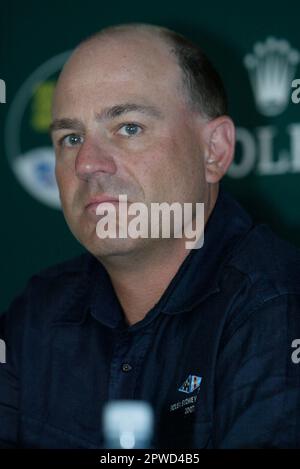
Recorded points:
272,67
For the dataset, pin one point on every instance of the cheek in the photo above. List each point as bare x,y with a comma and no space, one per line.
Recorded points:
158,175
176,170
65,181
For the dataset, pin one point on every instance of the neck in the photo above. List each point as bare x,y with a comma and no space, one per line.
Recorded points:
140,279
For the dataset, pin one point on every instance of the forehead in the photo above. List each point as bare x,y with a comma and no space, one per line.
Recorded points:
118,68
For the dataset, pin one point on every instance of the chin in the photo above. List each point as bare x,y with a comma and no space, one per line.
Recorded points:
108,248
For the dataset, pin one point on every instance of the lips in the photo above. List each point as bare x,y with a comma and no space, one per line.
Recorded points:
95,201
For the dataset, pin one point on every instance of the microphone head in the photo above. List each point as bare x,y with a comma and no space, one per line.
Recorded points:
128,424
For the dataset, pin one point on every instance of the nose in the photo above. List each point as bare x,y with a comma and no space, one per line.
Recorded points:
92,159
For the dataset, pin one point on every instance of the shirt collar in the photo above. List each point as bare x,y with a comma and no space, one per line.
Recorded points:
198,276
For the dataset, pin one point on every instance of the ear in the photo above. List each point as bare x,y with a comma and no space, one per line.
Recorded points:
219,143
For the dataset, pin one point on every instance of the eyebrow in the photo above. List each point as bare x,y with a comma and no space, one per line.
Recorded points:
120,109
66,123
106,114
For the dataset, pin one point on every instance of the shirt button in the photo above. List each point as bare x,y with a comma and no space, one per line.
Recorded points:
126,367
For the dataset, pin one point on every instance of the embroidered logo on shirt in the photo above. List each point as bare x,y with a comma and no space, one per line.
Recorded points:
188,404
190,384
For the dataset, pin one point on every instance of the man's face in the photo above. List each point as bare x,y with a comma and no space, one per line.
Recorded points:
122,126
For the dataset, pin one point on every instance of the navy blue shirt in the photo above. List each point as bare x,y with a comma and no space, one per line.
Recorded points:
213,356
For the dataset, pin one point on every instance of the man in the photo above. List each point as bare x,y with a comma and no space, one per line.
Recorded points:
205,335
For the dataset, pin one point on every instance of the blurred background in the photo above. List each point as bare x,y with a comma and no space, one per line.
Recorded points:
254,45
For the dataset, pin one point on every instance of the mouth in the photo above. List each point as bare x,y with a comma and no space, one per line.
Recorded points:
94,202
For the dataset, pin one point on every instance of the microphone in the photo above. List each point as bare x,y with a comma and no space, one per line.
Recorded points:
127,424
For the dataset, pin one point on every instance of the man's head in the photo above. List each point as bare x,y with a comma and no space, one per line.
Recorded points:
138,110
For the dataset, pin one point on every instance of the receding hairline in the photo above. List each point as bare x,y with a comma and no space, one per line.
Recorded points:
144,29
147,30
158,31
199,81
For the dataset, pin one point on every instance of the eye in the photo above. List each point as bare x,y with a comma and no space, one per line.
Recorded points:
71,140
130,129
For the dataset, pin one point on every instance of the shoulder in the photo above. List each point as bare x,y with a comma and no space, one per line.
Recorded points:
263,273
49,291
60,279
78,264
268,262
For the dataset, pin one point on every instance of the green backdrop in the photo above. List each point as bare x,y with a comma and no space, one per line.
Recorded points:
254,45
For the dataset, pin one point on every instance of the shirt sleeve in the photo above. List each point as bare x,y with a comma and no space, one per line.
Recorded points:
257,393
